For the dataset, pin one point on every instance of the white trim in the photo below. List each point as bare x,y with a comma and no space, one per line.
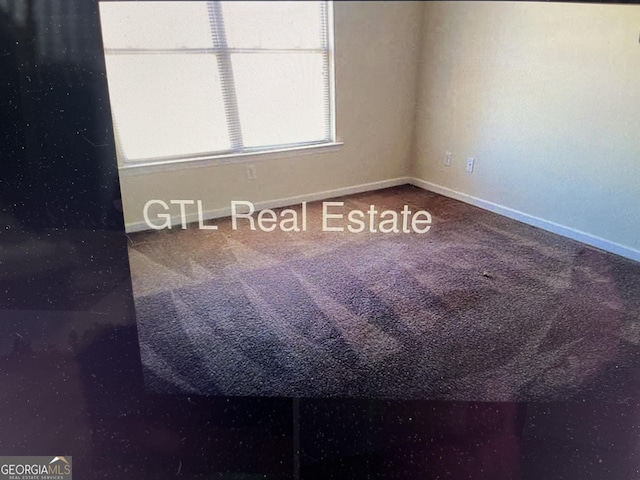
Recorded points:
547,225
281,202
227,159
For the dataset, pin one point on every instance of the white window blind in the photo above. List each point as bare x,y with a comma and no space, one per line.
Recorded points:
199,79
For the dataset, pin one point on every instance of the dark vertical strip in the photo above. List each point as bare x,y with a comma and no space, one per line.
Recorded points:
296,438
225,67
13,201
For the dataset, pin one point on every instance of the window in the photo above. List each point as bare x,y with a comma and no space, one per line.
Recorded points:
192,80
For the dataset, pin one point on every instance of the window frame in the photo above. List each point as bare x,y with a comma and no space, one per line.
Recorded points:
240,153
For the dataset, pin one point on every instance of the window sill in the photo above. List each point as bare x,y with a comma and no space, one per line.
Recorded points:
228,159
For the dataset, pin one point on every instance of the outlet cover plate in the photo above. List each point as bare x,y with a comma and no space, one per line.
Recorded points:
471,163
447,159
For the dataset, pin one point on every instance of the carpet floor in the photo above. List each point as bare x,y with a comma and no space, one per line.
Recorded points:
481,307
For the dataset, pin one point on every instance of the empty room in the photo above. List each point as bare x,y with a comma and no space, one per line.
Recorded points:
400,200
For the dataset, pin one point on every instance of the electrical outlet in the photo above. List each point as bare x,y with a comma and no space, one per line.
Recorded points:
251,172
471,163
447,159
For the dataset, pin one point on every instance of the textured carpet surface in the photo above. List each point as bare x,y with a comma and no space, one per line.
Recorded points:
479,308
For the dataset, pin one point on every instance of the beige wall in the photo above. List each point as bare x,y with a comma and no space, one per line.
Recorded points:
376,76
546,97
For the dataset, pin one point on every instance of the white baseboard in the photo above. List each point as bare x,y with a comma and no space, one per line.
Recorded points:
280,202
547,225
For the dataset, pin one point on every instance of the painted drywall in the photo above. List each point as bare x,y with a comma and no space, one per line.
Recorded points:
376,45
545,97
